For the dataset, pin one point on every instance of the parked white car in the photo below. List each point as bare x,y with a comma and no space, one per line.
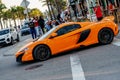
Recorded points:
8,36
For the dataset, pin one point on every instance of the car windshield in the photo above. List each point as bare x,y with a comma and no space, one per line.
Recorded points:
48,33
2,32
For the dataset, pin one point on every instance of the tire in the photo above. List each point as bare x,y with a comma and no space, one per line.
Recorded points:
105,36
18,38
12,41
41,52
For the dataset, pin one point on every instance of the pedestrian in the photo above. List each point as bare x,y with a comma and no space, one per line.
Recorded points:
59,17
62,15
110,8
67,14
98,11
32,28
47,26
54,23
35,20
41,23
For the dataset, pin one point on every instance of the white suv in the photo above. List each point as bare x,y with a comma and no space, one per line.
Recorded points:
7,36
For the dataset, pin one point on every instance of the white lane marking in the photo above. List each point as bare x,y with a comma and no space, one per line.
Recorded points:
116,42
77,71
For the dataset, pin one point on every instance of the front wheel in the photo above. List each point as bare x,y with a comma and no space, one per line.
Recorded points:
41,53
12,41
105,36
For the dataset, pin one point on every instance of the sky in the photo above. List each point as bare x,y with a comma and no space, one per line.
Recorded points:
33,4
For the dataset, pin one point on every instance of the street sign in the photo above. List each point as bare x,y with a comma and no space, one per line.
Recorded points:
24,3
25,11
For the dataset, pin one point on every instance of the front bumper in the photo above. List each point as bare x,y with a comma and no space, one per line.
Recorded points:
19,58
3,43
24,57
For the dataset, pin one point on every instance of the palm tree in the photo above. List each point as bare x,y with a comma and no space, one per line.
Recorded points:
47,2
51,6
14,14
2,7
54,3
35,12
20,13
9,16
5,18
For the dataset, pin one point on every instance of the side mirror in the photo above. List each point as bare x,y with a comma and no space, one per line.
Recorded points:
53,35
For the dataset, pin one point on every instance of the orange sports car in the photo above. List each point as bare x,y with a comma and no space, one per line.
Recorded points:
68,36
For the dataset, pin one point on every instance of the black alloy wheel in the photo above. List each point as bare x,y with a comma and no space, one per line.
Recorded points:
42,53
105,36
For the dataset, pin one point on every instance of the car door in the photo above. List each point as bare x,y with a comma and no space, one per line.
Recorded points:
66,38
13,34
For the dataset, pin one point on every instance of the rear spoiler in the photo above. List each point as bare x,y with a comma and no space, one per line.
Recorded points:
108,18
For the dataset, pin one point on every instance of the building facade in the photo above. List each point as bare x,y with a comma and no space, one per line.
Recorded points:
81,7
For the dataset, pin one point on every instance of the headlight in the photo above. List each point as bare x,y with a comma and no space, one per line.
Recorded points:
23,50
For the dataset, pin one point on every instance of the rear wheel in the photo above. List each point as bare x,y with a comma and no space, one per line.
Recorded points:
41,52
105,36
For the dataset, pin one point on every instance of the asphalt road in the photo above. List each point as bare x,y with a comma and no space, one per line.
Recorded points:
96,62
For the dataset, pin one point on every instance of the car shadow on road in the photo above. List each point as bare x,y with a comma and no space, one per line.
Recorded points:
29,65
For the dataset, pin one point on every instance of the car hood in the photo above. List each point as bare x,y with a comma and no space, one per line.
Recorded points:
3,36
26,46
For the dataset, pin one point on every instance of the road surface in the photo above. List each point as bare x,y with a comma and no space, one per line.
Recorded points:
96,62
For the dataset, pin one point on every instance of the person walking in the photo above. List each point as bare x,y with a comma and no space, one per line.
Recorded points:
41,24
35,20
110,8
98,11
32,28
62,15
47,26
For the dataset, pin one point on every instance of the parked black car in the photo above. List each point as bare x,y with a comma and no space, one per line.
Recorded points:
25,30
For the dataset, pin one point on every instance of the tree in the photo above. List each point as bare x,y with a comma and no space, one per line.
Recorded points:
55,5
9,16
20,13
14,14
35,12
59,4
46,2
2,7
5,17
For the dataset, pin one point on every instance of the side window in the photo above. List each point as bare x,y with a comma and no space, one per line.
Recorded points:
61,31
68,29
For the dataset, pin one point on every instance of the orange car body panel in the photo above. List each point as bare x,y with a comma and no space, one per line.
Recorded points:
68,41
